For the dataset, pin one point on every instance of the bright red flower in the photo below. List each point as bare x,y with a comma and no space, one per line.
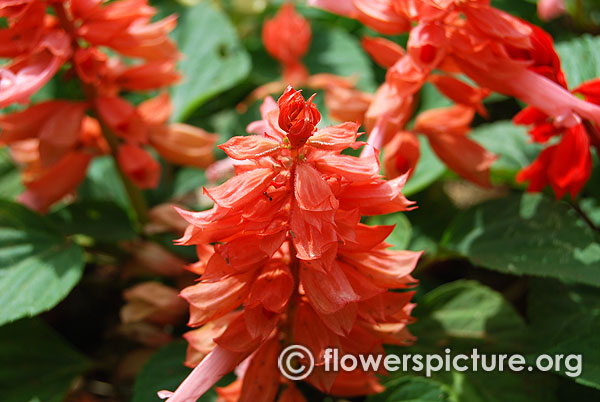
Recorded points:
497,51
565,166
289,249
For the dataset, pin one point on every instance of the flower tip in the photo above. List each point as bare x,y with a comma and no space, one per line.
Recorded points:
164,394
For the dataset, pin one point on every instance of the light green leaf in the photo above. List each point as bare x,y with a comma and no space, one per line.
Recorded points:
528,235
10,177
35,363
431,98
511,143
401,235
187,180
38,266
580,59
335,51
213,62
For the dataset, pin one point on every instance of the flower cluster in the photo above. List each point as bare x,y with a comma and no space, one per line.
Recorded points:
449,39
55,140
284,258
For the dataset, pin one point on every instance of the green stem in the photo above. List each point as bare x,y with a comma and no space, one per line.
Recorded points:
575,205
136,198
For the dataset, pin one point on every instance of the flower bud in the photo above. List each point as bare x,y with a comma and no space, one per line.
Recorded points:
297,117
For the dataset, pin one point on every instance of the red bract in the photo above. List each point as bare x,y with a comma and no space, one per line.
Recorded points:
41,37
291,262
497,51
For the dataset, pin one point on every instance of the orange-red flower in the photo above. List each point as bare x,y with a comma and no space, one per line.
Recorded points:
40,41
291,259
287,37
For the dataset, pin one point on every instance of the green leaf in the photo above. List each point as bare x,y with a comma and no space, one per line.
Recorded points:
431,98
465,314
412,389
335,51
188,179
511,143
38,266
103,183
528,235
430,220
35,363
566,320
462,316
214,60
521,8
100,220
580,59
428,170
165,371
10,177
401,235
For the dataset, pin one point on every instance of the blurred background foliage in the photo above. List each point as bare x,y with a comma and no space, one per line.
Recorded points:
503,271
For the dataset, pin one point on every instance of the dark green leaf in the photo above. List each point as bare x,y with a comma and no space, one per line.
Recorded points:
521,8
466,314
165,371
101,220
38,266
35,363
528,235
412,389
462,316
566,321
103,183
430,219
428,170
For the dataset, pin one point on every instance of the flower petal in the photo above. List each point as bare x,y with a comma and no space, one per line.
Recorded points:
250,147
